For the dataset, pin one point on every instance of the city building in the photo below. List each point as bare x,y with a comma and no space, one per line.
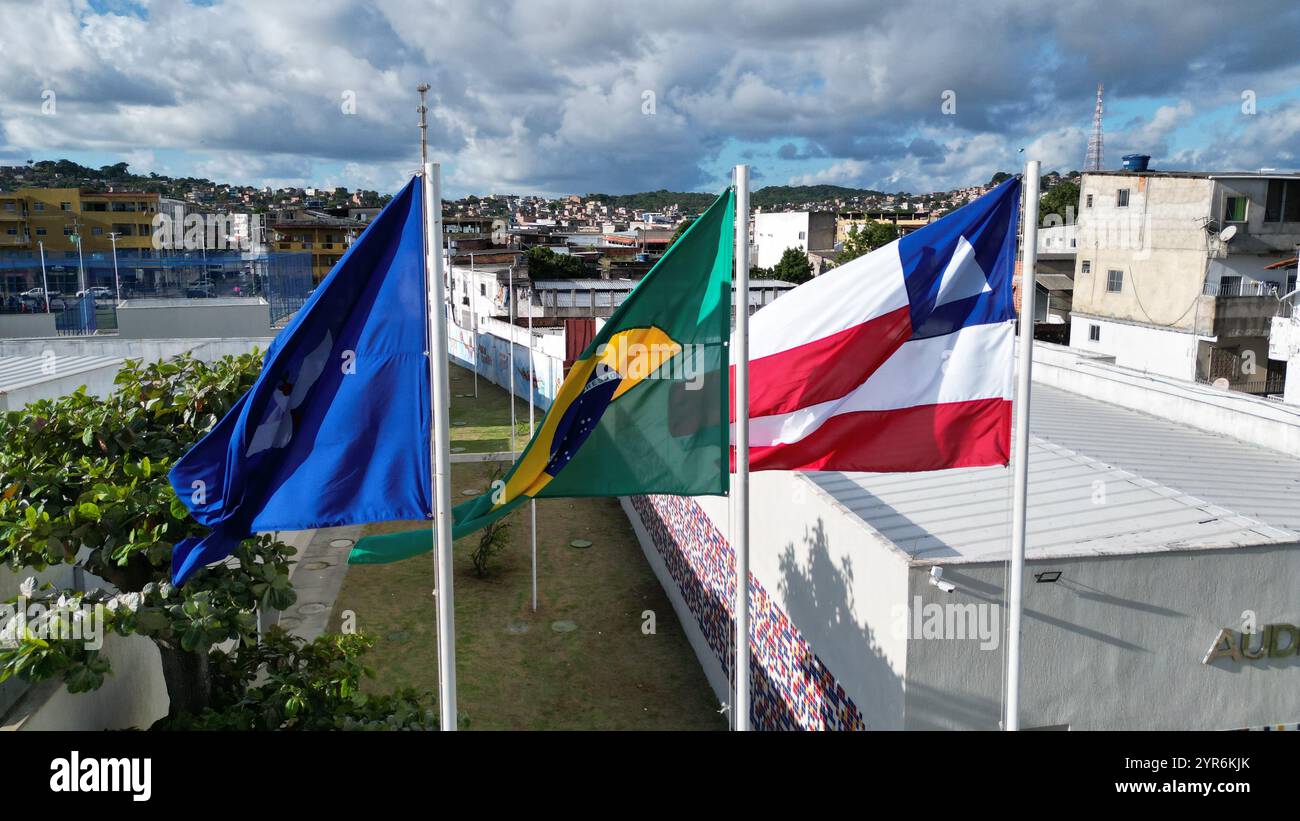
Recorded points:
325,236
774,232
1176,273
53,220
905,221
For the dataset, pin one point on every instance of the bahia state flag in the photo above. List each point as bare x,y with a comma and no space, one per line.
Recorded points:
643,410
900,360
336,428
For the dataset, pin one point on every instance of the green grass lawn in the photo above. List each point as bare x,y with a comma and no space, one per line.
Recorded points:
514,670
487,428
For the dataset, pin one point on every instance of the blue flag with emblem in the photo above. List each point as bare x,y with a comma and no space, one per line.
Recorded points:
335,430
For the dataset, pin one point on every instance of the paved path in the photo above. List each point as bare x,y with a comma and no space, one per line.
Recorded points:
317,576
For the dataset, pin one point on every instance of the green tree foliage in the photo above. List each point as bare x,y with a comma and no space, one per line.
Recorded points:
83,482
792,267
1061,200
682,228
285,683
868,237
779,196
543,263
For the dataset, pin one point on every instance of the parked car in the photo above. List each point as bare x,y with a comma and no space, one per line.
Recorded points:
97,292
37,293
198,291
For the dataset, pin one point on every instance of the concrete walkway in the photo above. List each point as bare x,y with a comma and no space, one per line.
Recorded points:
317,576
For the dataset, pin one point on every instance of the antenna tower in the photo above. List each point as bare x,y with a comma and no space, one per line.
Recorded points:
1094,158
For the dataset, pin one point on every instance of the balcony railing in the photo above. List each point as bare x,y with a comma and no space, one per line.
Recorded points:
1244,288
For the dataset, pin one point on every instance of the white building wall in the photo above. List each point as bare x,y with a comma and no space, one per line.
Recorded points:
1143,348
161,319
1117,644
777,231
836,579
26,326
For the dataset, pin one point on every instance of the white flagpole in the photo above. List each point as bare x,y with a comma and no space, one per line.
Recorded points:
473,301
740,490
439,397
532,503
1020,453
510,379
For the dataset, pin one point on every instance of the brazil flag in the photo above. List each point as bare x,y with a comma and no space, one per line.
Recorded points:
645,409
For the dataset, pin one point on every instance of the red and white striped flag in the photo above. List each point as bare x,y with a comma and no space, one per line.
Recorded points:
900,360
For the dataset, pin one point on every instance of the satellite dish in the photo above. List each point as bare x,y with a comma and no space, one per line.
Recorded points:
1228,233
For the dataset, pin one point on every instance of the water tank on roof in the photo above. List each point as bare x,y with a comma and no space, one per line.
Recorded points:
1136,162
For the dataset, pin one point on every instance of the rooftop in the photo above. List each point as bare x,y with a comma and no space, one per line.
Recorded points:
1202,175
17,372
1103,480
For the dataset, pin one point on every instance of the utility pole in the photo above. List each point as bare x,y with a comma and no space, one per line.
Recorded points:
81,262
117,280
45,282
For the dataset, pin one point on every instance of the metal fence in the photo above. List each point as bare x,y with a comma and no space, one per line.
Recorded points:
286,283
78,318
284,280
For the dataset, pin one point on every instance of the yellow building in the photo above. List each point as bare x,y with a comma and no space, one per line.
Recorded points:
53,216
323,236
51,219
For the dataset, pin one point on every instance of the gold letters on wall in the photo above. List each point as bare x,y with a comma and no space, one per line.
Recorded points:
1274,641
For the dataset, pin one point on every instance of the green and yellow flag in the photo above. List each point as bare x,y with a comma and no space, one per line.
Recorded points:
645,409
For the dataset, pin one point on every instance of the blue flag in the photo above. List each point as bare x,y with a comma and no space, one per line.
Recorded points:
336,429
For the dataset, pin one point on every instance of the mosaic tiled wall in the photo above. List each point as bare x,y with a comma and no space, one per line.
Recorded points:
793,690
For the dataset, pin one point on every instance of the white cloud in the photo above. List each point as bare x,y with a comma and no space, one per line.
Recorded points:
845,172
547,95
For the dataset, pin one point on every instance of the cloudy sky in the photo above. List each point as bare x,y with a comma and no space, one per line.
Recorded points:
578,96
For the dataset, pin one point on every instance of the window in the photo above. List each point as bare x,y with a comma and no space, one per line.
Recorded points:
96,232
1290,284
1234,209
38,206
1282,203
1094,333
1121,198
1114,281
1230,286
65,206
802,235
1088,202
1085,267
13,232
482,289
40,232
67,230
9,206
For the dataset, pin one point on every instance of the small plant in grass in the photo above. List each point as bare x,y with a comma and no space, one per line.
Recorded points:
491,541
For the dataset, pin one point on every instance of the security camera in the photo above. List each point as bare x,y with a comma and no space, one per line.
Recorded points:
936,579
